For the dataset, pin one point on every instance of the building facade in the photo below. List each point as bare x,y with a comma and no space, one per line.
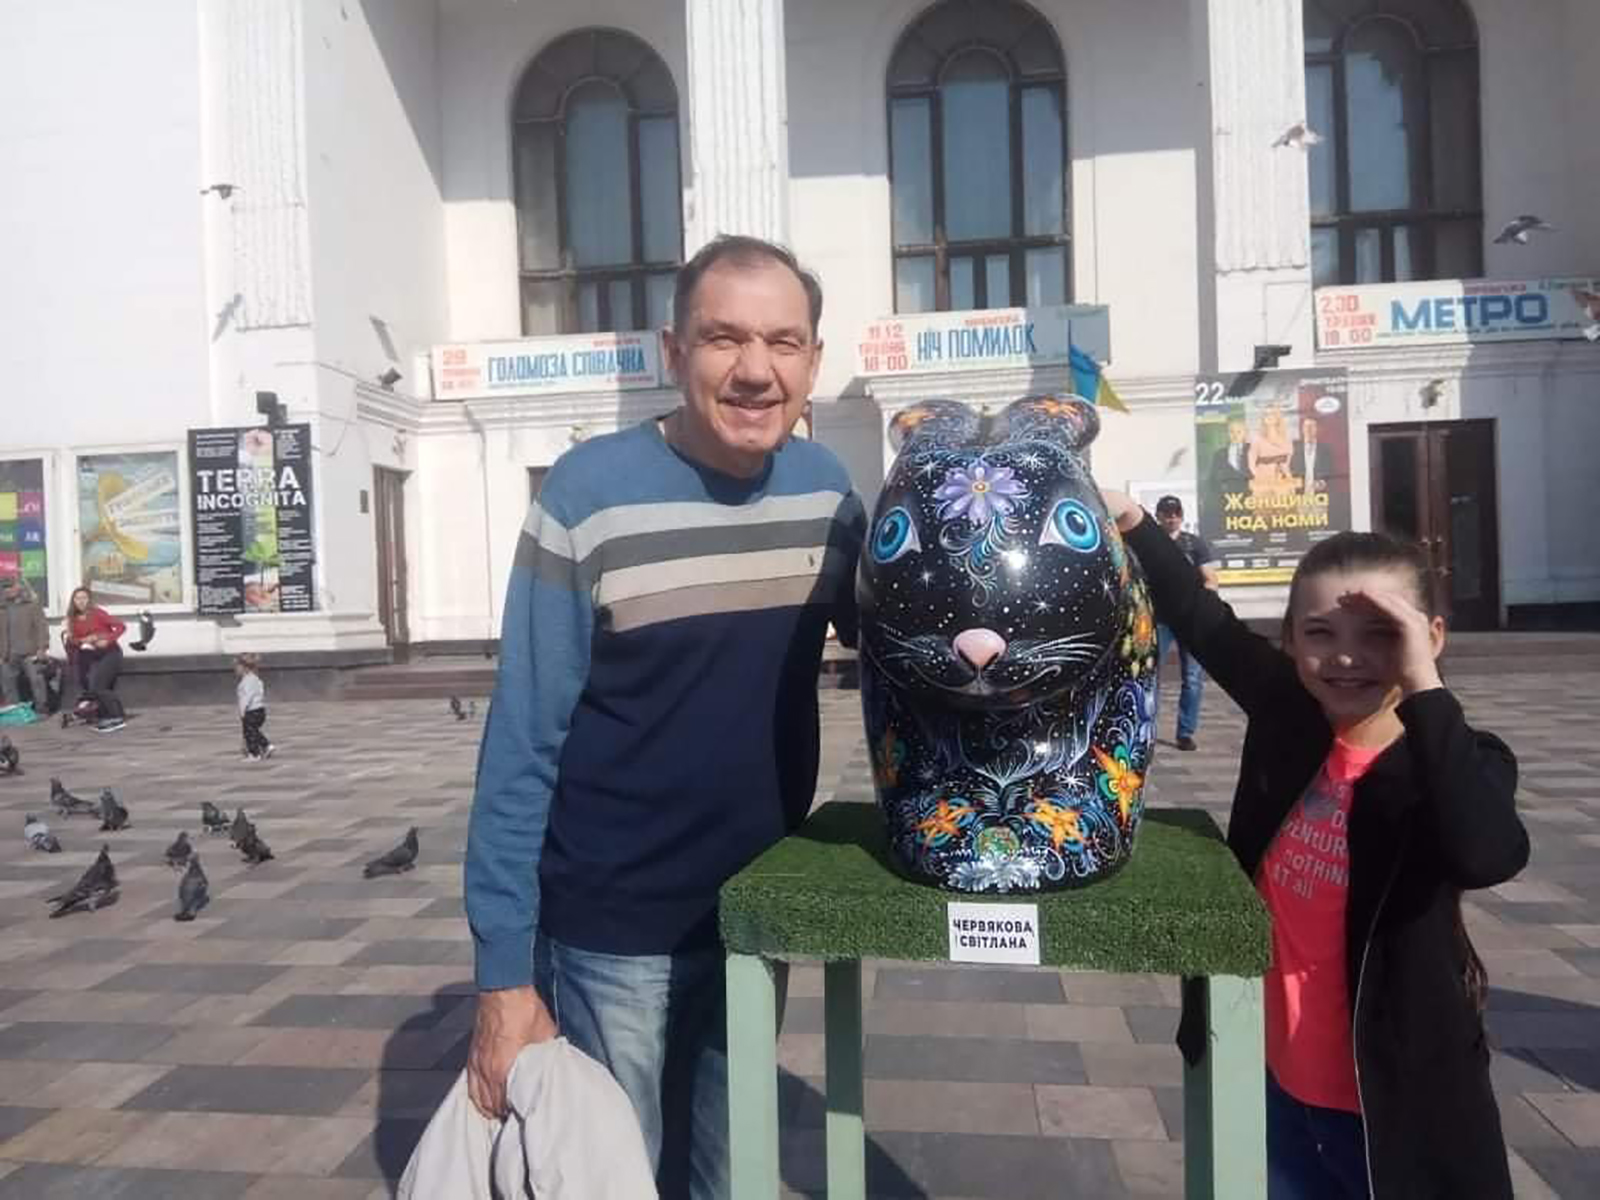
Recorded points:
350,207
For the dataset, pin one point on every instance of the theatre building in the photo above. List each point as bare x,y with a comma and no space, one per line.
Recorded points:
302,298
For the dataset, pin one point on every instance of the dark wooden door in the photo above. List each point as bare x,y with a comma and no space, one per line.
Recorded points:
1435,484
389,510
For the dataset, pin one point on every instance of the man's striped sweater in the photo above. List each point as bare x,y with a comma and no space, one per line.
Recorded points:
654,723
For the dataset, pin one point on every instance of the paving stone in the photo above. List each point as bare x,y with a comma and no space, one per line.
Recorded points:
1574,1173
81,1041
36,1181
360,1012
1577,1117
385,1152
239,978
914,1107
986,984
250,1089
976,1060
1091,1111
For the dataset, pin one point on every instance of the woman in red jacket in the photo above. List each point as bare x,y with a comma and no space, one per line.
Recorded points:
90,634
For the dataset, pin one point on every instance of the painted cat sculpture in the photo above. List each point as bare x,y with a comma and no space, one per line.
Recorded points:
1008,652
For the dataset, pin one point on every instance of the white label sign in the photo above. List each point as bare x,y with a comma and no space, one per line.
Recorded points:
590,362
983,339
1450,311
994,933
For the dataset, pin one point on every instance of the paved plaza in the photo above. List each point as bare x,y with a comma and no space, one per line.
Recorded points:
291,1042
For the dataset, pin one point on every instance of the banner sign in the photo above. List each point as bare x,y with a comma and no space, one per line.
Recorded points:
22,537
1443,312
250,489
1272,459
983,339
590,362
130,532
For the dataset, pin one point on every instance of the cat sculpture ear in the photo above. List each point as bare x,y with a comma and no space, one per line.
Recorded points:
947,421
1065,416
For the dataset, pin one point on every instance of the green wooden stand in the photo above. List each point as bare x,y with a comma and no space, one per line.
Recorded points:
1181,907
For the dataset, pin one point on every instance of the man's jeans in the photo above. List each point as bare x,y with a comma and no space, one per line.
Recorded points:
658,1023
10,669
1194,680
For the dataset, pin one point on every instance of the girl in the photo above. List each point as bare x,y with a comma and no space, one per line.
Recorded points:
252,708
90,635
1365,805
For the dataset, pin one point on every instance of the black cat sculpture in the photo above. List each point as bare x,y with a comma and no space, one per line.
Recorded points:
1008,652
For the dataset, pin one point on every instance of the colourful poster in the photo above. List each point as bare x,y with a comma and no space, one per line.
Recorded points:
22,525
130,527
253,544
983,339
1456,312
1272,459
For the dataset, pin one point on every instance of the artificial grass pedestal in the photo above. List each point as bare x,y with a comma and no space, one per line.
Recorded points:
1181,906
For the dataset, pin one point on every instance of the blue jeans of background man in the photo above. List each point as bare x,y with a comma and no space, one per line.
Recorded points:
658,1023
1194,680
1313,1153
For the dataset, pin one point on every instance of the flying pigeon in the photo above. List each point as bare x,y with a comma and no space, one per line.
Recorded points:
223,190
180,851
213,818
402,858
38,835
241,828
147,630
95,888
194,892
1298,137
253,848
1590,303
113,816
10,758
1517,231
456,710
66,803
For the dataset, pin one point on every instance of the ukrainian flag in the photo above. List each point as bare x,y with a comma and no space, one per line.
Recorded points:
1090,383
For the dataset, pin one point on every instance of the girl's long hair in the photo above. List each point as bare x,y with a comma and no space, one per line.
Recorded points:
1346,553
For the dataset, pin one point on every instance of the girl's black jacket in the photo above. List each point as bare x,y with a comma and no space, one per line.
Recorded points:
1434,815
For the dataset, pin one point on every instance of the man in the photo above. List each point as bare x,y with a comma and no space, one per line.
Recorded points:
24,644
1169,512
1230,468
654,725
1312,461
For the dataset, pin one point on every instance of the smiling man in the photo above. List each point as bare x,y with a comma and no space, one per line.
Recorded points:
654,724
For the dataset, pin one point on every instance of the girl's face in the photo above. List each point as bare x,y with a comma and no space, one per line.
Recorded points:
80,601
1349,656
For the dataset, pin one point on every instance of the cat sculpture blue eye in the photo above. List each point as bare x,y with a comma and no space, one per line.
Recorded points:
1007,653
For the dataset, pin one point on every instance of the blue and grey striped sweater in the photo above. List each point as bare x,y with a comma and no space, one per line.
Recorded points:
654,724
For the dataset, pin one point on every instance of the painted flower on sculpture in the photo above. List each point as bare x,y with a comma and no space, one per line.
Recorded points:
890,757
978,493
996,872
1059,821
946,821
1119,782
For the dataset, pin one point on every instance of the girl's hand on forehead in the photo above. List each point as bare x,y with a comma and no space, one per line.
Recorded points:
1420,638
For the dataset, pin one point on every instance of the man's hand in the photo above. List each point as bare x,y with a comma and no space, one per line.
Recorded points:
508,1020
1123,509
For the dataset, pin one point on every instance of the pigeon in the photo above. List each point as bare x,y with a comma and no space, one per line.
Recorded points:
213,818
95,888
10,757
38,835
459,713
113,816
66,720
180,851
1518,230
1298,137
1590,303
253,848
402,858
66,803
241,828
147,630
194,891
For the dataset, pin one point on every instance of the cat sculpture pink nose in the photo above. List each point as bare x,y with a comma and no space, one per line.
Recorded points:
980,647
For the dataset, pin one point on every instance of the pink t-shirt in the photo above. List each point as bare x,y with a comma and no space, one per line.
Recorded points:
1303,880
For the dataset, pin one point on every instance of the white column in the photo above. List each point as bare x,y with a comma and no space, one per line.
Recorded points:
738,122
1253,201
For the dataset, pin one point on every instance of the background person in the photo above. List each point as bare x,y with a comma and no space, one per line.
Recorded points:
24,645
1169,515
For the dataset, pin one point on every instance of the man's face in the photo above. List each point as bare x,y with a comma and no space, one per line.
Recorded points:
1236,432
745,363
1308,430
1171,521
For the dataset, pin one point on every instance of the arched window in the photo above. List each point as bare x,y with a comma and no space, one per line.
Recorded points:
599,223
977,159
1396,191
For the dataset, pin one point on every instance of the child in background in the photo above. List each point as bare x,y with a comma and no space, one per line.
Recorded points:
252,707
1365,805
